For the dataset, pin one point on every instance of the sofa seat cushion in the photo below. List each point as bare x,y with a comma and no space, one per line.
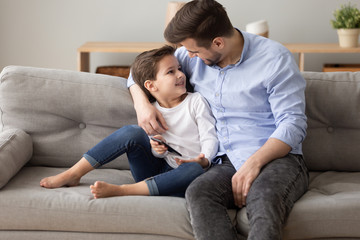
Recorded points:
330,209
24,205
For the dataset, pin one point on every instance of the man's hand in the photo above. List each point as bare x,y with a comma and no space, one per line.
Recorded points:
245,176
149,118
241,182
200,159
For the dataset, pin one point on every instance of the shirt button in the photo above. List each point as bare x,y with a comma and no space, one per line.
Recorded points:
82,125
217,94
222,72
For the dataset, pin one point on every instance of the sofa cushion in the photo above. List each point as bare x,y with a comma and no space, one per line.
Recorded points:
24,205
330,209
333,111
65,112
15,150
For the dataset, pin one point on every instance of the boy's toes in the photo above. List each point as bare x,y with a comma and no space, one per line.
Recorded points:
44,183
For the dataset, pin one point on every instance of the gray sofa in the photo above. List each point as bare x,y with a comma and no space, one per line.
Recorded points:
49,118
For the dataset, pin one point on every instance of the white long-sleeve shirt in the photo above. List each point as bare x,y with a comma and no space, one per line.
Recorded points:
191,129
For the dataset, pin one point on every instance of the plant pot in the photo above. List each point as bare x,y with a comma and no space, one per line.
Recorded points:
348,38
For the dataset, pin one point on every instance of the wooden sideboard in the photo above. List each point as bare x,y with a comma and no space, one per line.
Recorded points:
111,47
302,48
137,47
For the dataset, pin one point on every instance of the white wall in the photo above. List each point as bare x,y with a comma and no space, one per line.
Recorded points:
47,33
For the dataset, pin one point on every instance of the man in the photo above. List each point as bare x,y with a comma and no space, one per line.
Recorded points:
256,94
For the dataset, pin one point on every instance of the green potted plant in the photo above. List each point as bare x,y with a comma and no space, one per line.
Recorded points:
347,23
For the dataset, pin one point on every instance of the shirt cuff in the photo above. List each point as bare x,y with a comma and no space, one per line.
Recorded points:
130,81
159,155
289,134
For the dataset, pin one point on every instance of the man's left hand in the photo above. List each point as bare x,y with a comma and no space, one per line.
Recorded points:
242,180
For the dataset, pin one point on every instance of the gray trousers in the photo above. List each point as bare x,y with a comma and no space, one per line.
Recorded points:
268,204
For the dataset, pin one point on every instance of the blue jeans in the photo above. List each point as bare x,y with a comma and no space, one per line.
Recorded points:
269,201
160,178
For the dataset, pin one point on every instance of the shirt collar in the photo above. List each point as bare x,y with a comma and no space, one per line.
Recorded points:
244,51
245,47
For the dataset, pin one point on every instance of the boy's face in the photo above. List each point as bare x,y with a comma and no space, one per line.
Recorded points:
170,80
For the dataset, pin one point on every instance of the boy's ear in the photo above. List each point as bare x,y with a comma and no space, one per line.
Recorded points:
150,86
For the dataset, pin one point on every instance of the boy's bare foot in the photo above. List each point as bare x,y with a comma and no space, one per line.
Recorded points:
70,177
60,180
102,190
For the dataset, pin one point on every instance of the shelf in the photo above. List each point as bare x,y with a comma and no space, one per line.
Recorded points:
138,47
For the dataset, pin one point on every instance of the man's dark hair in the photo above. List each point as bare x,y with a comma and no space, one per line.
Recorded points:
145,66
201,20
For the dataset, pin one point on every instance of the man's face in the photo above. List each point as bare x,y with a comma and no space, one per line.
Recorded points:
209,55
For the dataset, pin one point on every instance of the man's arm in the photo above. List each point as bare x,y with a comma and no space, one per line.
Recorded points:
287,101
149,118
244,177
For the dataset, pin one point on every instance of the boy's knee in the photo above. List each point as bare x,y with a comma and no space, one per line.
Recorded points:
134,129
195,168
138,131
133,132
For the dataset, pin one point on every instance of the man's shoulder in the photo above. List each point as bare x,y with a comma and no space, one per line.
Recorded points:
185,61
259,44
181,52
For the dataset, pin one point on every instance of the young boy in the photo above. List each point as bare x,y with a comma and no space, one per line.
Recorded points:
156,169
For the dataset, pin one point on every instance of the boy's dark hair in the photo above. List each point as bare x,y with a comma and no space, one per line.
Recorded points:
201,20
145,66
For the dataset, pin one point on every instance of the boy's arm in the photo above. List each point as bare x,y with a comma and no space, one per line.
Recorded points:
149,118
207,133
206,128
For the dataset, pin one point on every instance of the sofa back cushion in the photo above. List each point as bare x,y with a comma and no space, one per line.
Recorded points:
333,111
65,112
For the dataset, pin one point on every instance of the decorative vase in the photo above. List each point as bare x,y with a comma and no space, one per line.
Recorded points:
348,38
259,27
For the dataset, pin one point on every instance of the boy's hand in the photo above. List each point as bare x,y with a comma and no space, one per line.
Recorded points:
204,162
158,147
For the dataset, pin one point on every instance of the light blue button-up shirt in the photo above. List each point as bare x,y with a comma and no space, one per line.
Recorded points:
260,97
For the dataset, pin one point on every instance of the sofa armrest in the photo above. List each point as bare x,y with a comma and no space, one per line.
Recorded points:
15,151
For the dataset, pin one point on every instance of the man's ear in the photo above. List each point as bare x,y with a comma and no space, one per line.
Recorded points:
150,86
219,42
